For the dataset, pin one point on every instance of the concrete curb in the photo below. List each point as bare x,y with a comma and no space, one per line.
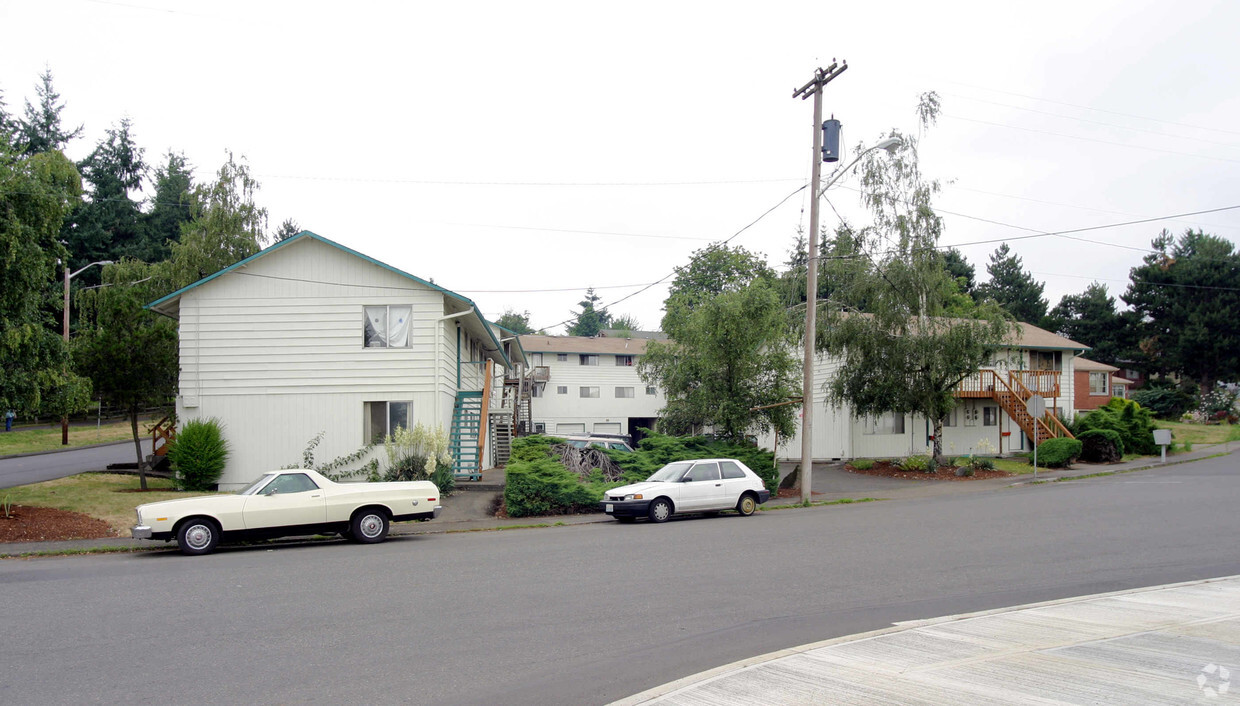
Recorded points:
709,675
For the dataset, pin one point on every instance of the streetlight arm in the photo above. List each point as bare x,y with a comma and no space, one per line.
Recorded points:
889,144
101,262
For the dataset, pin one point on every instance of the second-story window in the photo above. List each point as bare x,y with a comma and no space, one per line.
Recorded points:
624,360
536,359
589,392
624,392
386,326
588,359
561,357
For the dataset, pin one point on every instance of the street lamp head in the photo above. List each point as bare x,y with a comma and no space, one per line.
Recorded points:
891,144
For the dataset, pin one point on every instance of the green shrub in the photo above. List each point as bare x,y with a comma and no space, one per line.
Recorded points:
1165,399
1058,452
420,453
657,450
1101,446
980,463
916,464
544,487
1134,424
198,454
862,464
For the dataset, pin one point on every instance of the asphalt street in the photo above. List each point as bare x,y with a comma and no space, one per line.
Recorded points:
587,613
36,468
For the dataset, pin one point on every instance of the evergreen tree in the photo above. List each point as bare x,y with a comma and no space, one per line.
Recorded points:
287,229
1012,288
9,126
171,207
626,322
108,226
41,130
1090,318
1188,296
960,270
590,320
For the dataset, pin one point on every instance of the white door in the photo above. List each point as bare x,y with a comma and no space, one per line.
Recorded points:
702,489
290,499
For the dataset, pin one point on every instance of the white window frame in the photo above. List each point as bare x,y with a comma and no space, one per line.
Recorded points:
561,357
652,390
387,416
624,361
588,392
587,359
884,424
561,389
624,392
990,416
385,335
1104,377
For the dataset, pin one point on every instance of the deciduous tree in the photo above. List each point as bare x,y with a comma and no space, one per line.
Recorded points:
516,321
227,225
729,350
906,354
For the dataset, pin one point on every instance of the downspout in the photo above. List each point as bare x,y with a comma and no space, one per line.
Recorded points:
458,357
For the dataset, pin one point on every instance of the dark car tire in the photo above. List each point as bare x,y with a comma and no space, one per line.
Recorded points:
660,510
626,520
198,536
747,505
369,526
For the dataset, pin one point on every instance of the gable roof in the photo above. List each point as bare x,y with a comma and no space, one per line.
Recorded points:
165,305
1093,366
1031,336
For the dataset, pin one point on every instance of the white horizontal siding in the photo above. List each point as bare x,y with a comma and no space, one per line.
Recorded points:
553,408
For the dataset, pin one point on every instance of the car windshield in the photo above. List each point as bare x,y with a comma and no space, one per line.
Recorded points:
254,487
671,472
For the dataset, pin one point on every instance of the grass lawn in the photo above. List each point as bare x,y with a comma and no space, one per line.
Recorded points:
47,438
95,494
1200,433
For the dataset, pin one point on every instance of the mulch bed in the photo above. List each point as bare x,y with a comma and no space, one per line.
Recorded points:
45,524
947,473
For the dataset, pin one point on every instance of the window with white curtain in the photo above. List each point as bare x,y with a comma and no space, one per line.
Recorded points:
386,326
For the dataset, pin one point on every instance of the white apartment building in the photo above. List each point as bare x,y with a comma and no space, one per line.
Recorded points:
592,386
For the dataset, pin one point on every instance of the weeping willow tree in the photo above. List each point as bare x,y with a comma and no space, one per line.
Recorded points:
906,335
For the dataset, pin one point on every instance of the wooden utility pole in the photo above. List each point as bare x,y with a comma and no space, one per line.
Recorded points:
814,88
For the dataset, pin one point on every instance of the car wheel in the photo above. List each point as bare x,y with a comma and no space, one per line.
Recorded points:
198,536
626,520
747,505
660,510
369,526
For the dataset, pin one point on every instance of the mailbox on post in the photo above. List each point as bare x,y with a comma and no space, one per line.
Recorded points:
1162,437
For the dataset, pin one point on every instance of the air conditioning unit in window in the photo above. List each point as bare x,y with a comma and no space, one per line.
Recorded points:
540,427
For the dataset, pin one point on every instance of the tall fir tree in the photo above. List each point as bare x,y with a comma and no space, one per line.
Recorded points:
1187,295
1012,288
1090,318
171,206
41,130
108,225
590,320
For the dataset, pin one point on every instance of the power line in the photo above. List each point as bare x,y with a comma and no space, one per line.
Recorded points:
1090,139
452,182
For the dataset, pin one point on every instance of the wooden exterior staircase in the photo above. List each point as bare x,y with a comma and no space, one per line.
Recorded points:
1013,395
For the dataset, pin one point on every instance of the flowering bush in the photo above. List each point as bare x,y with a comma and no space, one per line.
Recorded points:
1219,406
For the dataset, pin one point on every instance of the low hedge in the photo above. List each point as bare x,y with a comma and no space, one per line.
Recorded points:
1101,445
1058,452
538,484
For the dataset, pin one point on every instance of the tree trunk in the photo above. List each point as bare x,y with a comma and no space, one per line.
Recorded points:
137,445
936,457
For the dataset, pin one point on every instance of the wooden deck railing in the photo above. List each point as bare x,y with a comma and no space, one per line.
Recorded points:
163,433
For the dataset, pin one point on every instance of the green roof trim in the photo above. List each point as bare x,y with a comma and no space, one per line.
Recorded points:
315,236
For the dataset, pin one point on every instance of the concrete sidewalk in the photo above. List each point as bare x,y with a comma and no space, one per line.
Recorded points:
1169,644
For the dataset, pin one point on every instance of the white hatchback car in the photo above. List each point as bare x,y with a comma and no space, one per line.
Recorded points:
700,485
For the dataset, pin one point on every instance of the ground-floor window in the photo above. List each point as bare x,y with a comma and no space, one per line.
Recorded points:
950,419
884,424
990,416
380,419
624,392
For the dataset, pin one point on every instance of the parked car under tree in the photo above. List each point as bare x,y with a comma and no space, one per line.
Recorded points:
700,485
288,503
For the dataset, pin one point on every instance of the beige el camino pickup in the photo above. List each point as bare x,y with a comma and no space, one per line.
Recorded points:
288,502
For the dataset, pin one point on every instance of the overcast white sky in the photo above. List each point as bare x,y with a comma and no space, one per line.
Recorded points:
499,148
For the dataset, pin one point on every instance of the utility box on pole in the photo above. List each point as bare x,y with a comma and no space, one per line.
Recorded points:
831,140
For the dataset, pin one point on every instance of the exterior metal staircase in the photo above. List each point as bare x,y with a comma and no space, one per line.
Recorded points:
501,440
463,438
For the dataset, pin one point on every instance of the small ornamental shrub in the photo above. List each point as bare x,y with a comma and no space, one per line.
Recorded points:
979,463
198,454
1101,446
863,464
1058,452
917,464
1134,424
